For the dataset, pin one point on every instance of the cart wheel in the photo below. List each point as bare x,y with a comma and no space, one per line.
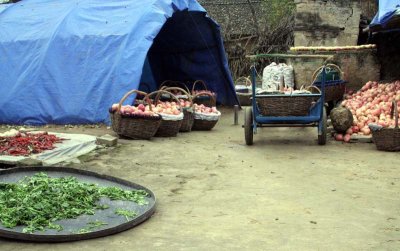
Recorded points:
248,126
322,137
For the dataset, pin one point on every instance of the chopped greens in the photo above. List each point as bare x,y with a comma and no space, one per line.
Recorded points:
37,201
126,213
90,226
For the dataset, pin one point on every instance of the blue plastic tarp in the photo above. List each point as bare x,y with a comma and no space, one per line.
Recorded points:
68,61
387,10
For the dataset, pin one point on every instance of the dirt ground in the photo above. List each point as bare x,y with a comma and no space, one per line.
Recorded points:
283,193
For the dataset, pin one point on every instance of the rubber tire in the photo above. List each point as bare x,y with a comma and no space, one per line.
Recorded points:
248,126
322,137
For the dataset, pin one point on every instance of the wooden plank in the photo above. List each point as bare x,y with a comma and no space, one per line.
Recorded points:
254,57
361,138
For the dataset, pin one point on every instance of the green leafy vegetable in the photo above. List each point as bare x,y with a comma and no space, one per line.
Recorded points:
37,201
91,225
126,213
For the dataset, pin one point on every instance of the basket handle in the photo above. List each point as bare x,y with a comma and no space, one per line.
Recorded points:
199,81
248,82
394,112
179,89
166,92
317,71
202,94
131,92
177,83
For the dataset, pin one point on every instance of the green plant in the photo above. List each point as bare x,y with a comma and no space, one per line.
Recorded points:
38,201
276,10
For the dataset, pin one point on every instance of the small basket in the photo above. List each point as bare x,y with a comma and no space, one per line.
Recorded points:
174,83
388,139
334,89
134,126
286,105
167,128
188,112
204,98
244,97
203,124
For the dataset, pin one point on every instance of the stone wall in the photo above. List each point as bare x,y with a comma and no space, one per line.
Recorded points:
327,23
235,16
359,67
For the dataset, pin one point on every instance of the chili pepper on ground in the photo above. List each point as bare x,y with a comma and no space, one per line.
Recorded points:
26,143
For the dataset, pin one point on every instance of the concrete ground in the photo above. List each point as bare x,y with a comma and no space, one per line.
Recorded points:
283,193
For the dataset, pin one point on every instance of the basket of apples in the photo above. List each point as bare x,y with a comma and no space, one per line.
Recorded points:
170,112
187,108
135,122
203,95
179,89
205,118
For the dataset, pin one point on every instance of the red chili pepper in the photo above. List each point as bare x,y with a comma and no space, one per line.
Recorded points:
27,143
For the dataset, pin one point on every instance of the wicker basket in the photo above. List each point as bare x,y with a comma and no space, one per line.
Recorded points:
334,89
173,84
204,98
167,128
188,112
133,126
244,97
388,139
202,124
286,105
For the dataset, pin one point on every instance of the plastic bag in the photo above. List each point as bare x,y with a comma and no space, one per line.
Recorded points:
207,116
276,76
271,77
171,116
288,76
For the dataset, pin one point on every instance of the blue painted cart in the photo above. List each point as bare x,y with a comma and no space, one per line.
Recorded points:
315,117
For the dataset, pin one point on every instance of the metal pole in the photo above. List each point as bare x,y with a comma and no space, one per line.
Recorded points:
236,116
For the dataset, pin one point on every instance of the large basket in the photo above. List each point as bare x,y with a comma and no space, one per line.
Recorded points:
388,139
244,97
286,105
334,88
203,124
167,128
204,98
188,112
134,127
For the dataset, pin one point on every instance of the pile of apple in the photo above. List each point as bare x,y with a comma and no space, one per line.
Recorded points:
185,103
129,110
196,92
371,104
176,92
205,109
170,108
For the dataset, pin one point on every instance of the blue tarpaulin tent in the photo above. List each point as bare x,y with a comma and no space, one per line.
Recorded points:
389,12
68,61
